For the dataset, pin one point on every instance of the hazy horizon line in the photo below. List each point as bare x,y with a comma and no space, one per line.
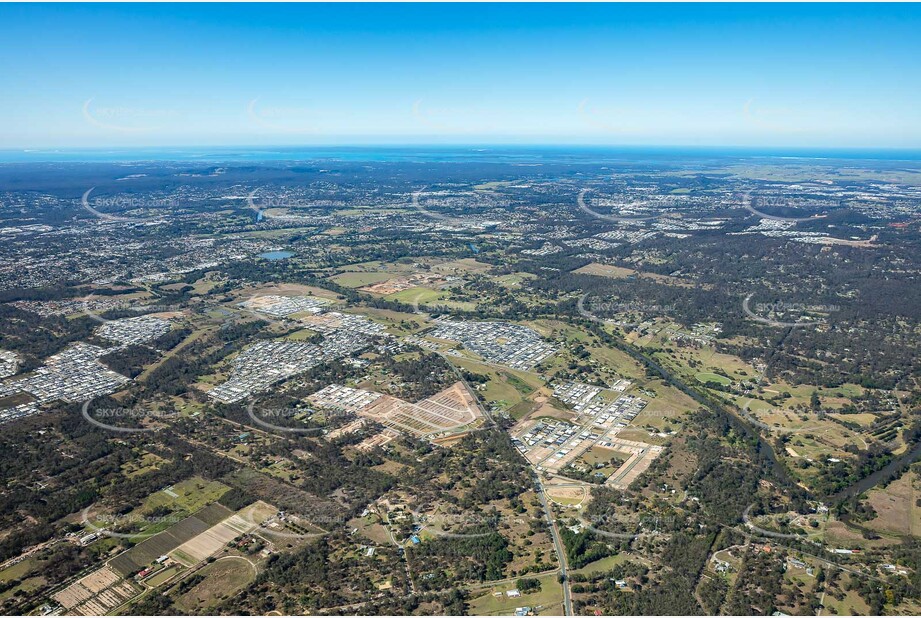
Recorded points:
454,145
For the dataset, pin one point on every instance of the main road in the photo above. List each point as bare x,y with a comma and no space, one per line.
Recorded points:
557,544
554,531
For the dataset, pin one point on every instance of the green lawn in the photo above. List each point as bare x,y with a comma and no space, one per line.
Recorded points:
26,586
301,335
550,594
605,564
713,377
193,494
17,570
162,576
418,295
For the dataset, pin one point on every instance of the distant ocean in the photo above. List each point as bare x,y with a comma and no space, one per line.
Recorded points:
445,154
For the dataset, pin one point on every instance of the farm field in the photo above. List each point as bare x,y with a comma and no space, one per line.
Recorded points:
158,545
16,571
210,541
180,532
25,586
189,495
97,593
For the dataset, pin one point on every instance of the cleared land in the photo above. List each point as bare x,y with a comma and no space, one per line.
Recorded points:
360,279
223,578
618,272
495,601
896,505
451,409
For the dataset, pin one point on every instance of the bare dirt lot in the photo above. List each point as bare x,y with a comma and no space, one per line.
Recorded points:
567,496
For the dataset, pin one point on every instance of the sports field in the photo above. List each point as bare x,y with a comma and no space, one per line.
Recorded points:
705,377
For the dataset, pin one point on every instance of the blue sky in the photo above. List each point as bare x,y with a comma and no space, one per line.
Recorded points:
735,75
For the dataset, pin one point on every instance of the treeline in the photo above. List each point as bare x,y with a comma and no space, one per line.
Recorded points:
311,578
484,465
35,338
423,376
714,413
667,591
583,547
480,556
